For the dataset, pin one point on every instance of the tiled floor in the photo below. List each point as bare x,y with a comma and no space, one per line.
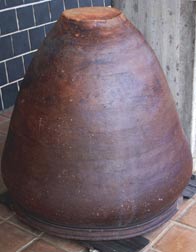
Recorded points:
177,235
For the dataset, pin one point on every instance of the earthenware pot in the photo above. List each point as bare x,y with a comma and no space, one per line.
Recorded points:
95,149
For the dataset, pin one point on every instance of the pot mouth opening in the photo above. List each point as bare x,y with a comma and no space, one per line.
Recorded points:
85,14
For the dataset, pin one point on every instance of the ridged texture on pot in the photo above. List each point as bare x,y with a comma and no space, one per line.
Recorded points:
95,141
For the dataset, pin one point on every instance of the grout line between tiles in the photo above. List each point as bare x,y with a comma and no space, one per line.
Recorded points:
18,87
17,21
159,236
27,245
6,219
18,56
50,13
34,19
30,46
6,73
146,249
181,213
45,31
22,228
156,250
152,249
23,65
1,97
54,244
149,247
184,225
10,83
26,29
12,45
64,7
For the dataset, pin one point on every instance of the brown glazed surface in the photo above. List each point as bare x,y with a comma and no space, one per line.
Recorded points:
95,143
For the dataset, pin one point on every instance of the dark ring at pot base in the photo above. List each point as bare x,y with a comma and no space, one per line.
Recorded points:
95,234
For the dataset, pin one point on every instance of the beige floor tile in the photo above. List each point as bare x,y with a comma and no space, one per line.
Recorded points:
2,142
3,118
14,220
7,113
42,246
153,234
5,212
182,208
4,127
177,239
68,245
12,238
189,218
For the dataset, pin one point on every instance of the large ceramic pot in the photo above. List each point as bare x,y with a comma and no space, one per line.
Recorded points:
95,149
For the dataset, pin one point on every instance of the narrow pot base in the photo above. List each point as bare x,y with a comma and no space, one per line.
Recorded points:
95,234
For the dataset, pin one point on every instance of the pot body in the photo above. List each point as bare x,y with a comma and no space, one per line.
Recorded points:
95,149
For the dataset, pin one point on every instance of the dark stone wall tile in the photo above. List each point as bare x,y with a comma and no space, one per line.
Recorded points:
20,43
71,4
31,1
11,3
15,69
36,37
6,48
8,21
56,8
19,83
98,3
2,4
3,78
48,27
44,13
27,59
25,17
9,94
108,2
41,13
1,104
85,3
